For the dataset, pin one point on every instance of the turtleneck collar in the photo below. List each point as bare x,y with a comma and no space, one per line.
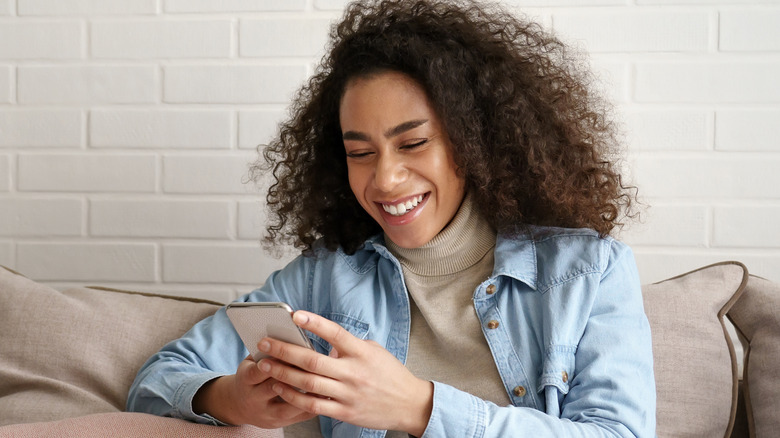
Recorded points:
460,245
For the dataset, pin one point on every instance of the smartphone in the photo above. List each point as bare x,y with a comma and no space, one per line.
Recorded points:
255,321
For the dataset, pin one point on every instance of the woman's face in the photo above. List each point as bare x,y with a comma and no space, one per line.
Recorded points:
399,157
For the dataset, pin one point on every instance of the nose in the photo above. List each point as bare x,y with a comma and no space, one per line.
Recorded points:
389,173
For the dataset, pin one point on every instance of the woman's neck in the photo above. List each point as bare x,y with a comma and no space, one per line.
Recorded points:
461,244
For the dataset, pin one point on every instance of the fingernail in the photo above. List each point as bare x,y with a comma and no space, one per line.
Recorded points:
264,346
264,366
300,318
277,389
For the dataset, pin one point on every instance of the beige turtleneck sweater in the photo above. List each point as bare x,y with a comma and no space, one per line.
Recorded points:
446,341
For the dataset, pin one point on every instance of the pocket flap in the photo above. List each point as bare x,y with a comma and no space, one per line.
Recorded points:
356,327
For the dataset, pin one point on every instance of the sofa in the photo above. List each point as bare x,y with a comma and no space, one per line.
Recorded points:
68,357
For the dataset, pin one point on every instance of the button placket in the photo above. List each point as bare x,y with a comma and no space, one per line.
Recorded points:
510,368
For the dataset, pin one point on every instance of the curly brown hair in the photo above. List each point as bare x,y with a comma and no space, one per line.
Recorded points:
533,141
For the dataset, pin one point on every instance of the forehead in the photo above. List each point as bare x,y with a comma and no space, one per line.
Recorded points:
387,97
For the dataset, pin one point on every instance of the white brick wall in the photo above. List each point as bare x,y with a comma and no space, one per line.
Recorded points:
6,91
30,128
174,129
87,85
126,128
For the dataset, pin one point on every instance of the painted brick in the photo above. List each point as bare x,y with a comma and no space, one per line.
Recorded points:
233,263
233,5
232,84
670,225
612,80
84,84
163,218
161,128
206,174
283,37
86,7
6,84
704,176
40,40
747,130
750,30
5,173
708,82
41,217
87,173
252,218
702,2
7,254
63,261
543,3
746,226
161,39
632,31
40,128
257,127
668,129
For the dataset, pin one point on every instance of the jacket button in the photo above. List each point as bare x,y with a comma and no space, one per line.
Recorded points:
519,391
565,376
491,289
492,324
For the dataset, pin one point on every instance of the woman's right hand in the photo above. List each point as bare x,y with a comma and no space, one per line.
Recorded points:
247,398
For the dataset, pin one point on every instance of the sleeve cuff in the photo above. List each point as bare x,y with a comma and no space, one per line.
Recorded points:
185,395
455,410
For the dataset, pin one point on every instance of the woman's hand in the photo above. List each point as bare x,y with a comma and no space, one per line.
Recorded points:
360,383
247,397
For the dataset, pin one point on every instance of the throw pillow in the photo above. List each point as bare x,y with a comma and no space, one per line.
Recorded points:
695,363
131,425
756,316
76,352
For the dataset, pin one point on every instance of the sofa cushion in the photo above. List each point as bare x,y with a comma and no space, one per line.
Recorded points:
695,363
756,315
129,424
76,352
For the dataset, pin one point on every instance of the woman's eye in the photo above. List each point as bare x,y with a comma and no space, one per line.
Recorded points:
358,154
414,144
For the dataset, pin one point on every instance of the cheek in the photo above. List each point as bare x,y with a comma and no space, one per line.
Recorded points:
356,182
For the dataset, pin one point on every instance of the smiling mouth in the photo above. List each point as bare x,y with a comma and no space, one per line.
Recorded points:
402,208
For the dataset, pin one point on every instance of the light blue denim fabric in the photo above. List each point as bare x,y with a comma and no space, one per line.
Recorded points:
572,343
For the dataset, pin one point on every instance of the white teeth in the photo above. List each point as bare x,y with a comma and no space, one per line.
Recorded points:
403,207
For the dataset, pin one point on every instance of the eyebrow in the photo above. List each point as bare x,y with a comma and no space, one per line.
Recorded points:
392,132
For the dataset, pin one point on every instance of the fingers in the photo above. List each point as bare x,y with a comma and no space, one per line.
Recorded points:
249,373
308,402
328,330
303,380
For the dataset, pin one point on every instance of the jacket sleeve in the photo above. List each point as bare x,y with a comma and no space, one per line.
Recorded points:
167,383
611,393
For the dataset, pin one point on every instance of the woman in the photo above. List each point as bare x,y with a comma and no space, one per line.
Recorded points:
447,175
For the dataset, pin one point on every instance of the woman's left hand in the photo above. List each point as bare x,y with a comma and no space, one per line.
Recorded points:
360,382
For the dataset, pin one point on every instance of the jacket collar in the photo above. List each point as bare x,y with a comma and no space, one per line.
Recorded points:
515,256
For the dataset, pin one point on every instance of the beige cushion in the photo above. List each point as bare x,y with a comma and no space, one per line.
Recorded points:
756,316
72,353
126,425
695,364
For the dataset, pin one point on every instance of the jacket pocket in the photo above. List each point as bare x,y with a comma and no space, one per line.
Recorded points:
356,327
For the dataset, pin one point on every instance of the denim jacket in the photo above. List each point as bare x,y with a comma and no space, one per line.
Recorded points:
562,314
